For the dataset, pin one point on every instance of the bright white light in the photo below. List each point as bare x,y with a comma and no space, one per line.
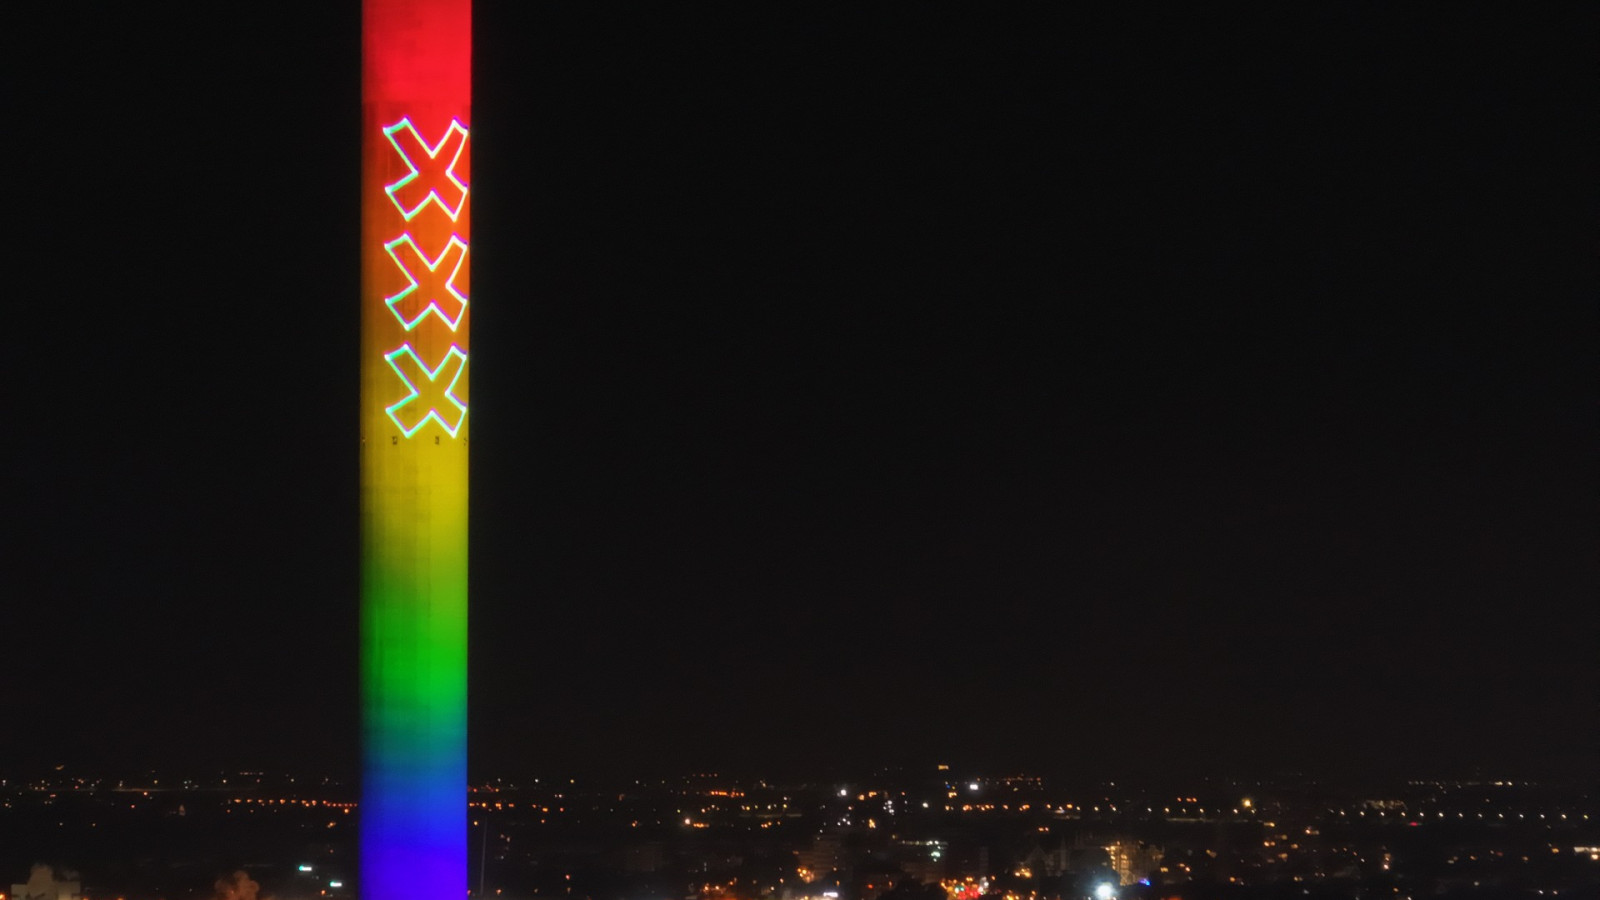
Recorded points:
304,867
972,786
336,884
1104,891
843,792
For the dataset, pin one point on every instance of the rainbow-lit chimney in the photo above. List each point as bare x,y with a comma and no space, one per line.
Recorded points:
415,317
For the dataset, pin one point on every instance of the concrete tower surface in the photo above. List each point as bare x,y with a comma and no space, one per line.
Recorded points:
415,243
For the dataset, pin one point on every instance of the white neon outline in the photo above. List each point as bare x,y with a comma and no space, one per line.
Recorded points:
433,266
433,153
433,376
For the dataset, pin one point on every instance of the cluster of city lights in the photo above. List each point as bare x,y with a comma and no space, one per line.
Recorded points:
342,806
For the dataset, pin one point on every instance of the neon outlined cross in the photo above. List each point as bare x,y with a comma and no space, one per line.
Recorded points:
432,281
440,403
438,172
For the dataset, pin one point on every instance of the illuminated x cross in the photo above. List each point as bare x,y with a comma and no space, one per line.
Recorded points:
432,392
433,282
433,175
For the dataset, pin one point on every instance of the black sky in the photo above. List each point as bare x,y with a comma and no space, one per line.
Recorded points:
1124,393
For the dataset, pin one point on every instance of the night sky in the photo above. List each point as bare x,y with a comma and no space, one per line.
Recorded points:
1112,395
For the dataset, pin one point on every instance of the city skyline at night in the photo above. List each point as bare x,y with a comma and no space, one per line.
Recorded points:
936,831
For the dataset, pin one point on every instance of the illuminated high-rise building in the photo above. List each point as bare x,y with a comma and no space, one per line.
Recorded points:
415,319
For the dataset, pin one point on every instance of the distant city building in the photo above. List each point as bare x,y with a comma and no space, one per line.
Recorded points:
923,861
1132,860
1083,852
825,855
45,883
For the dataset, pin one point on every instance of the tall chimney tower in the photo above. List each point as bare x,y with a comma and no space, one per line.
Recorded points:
415,318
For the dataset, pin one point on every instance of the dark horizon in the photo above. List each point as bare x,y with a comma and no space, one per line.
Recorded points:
1141,395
